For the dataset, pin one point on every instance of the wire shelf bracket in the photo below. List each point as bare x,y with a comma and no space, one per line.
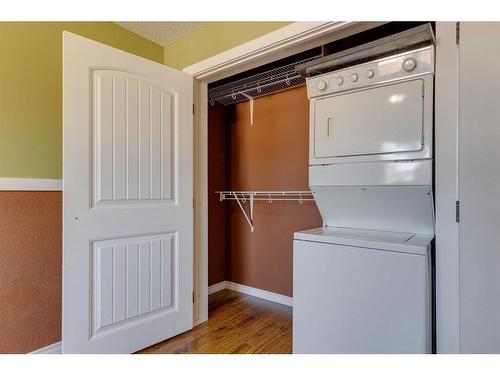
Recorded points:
242,197
250,99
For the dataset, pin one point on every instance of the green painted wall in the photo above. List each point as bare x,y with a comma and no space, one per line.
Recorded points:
31,80
213,38
31,90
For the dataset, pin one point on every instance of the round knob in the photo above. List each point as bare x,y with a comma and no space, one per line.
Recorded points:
354,77
321,85
409,64
370,73
340,80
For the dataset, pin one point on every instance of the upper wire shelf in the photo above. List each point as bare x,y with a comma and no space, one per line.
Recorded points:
268,82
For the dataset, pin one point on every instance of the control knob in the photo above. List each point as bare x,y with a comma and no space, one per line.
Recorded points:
321,85
409,64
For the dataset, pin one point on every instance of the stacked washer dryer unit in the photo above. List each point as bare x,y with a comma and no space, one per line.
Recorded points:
362,282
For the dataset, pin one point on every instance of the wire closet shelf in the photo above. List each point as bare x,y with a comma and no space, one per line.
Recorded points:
242,197
260,84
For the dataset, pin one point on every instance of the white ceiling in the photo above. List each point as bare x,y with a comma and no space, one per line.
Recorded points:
163,33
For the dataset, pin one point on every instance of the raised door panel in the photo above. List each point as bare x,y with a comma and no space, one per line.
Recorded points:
132,141
133,278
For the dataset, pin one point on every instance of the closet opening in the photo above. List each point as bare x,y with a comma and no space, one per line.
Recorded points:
258,146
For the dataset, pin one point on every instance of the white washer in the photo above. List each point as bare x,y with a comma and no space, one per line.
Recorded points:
361,291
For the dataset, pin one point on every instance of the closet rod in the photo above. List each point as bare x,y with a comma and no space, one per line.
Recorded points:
285,81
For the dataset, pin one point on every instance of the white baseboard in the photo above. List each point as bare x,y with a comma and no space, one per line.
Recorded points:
50,349
217,287
260,293
30,184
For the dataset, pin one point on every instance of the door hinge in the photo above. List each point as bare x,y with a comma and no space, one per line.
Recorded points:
457,33
457,211
193,109
193,297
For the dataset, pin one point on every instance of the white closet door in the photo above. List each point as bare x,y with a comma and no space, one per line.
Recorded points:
479,187
128,228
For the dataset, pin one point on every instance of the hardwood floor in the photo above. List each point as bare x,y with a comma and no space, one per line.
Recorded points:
237,323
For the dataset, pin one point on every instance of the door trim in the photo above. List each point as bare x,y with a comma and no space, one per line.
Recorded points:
283,42
286,41
446,186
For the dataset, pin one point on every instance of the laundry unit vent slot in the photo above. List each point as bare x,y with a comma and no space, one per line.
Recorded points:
264,83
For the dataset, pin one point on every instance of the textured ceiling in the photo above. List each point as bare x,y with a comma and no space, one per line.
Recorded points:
163,33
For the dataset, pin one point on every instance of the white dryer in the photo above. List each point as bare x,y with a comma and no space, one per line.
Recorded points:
362,282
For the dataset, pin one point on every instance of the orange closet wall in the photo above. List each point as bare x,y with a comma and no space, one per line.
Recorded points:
218,179
270,155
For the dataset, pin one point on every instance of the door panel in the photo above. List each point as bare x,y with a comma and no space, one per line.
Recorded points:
132,138
122,284
358,123
127,235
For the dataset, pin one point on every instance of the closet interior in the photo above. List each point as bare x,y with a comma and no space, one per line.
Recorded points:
258,157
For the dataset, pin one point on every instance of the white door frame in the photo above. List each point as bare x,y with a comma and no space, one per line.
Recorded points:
286,41
446,185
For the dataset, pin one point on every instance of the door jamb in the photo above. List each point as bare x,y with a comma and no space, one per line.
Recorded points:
284,42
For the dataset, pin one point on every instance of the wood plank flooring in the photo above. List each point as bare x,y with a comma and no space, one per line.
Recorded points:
237,323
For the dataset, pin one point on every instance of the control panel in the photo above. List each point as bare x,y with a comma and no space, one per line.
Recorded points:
407,64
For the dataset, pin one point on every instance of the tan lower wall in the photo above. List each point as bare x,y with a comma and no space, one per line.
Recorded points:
30,270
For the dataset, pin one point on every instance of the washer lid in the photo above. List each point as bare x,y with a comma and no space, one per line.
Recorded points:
411,243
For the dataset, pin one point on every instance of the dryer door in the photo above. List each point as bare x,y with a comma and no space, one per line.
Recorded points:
380,120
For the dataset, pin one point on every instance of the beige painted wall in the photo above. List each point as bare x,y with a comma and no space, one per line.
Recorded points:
31,90
213,38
